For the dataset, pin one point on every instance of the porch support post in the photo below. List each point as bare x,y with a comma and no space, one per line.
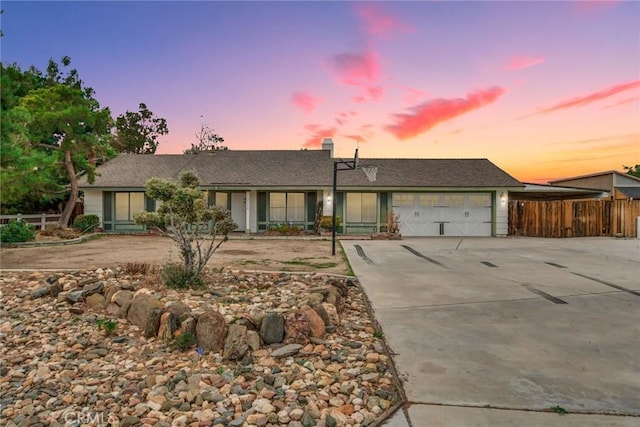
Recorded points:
247,203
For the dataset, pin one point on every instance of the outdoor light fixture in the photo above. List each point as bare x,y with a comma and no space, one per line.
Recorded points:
502,197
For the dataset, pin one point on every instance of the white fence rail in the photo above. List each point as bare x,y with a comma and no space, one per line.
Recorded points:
39,221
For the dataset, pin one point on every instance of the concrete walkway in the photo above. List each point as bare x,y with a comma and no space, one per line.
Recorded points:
509,331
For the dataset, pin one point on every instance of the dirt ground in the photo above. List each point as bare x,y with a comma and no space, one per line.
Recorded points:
117,250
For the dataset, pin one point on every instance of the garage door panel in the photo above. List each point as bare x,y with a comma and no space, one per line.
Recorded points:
444,214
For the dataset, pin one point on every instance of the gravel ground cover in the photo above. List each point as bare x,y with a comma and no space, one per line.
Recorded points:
59,367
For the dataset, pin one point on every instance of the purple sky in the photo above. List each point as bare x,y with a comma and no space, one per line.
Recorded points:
543,89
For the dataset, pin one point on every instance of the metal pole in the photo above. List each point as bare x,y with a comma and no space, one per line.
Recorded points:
335,210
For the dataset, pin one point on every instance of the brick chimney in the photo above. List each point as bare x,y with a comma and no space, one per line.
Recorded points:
327,144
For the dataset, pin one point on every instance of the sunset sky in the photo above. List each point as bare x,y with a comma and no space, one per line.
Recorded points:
542,89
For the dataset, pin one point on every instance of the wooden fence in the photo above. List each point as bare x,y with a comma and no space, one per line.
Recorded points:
39,221
574,218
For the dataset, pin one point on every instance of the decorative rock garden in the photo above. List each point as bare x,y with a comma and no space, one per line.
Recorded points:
111,347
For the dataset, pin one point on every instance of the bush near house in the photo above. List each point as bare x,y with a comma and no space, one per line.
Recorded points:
326,222
86,223
285,230
17,232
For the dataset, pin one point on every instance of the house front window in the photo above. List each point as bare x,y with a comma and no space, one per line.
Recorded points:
222,200
286,207
361,207
128,204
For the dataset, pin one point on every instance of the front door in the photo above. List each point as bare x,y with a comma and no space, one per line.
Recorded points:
238,210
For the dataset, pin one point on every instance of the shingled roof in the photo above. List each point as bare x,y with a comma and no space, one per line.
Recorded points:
296,169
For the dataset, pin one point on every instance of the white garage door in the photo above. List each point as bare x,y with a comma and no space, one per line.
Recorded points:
443,214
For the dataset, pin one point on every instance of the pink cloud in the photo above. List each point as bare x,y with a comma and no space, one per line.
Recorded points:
356,137
412,95
375,92
429,114
363,134
591,6
359,99
624,101
378,22
592,97
519,62
371,93
356,69
344,117
305,101
318,134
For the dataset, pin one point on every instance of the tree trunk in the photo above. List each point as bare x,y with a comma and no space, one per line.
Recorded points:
73,197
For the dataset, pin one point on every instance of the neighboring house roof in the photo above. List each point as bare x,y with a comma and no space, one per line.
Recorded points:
532,191
630,192
296,168
596,174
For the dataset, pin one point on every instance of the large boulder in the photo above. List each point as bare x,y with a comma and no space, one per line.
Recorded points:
236,345
119,303
211,330
95,301
153,323
316,324
178,309
168,327
272,329
141,306
297,328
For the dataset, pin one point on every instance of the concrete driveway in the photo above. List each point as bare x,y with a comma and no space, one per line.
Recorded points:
500,331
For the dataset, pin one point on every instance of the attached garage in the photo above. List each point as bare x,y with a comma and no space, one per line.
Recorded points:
444,214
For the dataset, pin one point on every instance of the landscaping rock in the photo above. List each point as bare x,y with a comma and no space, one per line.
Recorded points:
272,328
316,324
297,328
56,360
211,330
141,306
95,301
236,345
167,328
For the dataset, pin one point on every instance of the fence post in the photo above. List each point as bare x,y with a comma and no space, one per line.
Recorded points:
638,227
19,217
43,221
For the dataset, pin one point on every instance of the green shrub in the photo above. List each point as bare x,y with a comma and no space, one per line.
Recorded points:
326,222
86,223
17,231
109,326
184,341
288,229
174,276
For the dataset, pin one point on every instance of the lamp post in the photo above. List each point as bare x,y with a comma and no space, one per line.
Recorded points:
339,165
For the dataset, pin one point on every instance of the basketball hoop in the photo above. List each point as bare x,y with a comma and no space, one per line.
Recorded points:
370,172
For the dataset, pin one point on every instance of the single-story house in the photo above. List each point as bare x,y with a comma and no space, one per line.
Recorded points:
263,189
619,185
